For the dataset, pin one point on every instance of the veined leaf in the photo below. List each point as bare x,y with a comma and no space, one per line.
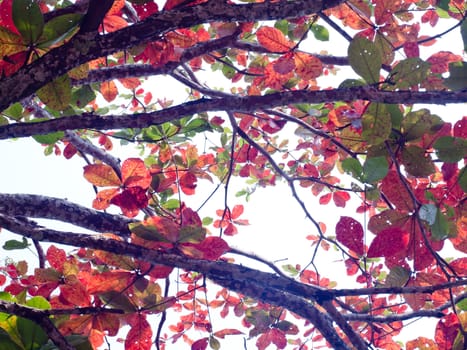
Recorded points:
28,19
101,175
417,162
58,29
10,43
365,59
273,40
56,94
450,149
417,123
457,75
409,72
375,169
376,123
349,232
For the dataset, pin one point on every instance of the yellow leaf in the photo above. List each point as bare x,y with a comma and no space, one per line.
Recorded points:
109,90
101,175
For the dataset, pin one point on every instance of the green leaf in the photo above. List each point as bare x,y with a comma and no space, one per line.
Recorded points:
47,139
450,149
320,32
118,300
397,277
409,72
348,83
6,343
39,303
462,179
149,233
464,34
427,212
457,76
56,94
462,304
58,29
191,234
352,166
376,124
440,228
197,125
14,244
82,96
416,162
28,19
417,123
15,111
79,342
375,169
32,335
365,59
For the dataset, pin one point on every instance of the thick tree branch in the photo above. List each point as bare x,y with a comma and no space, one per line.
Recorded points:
234,104
87,46
270,288
36,206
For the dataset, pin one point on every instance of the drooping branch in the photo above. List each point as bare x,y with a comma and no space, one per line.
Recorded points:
233,103
36,206
270,288
87,46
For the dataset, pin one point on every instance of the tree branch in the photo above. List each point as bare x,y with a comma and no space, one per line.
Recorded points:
36,206
87,46
234,103
270,288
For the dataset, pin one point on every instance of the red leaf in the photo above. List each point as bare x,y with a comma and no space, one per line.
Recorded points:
231,230
6,18
56,257
388,242
460,128
325,199
101,175
350,233
75,294
273,39
69,151
446,331
340,198
284,65
188,183
146,9
200,344
139,336
135,173
227,331
440,61
237,211
212,247
396,192
131,201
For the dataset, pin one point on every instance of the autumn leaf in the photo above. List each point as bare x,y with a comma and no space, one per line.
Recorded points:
307,66
131,200
349,232
388,242
109,90
135,173
140,334
101,175
273,39
56,257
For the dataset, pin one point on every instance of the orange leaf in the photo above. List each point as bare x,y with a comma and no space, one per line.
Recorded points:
307,66
108,281
273,39
139,336
109,90
135,173
75,294
116,7
130,83
212,247
396,192
103,198
101,175
114,23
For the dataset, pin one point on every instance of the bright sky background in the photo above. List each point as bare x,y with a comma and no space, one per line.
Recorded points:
278,225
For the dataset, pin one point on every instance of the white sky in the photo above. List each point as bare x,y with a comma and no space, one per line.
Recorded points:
278,226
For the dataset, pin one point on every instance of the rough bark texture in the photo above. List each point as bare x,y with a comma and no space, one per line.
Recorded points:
87,46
